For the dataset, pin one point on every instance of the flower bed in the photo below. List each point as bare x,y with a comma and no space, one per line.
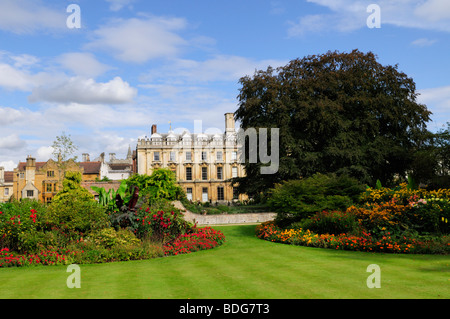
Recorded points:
26,240
388,243
200,239
398,220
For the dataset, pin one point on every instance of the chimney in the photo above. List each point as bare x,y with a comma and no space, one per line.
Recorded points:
30,169
31,161
2,175
229,123
86,157
154,129
112,157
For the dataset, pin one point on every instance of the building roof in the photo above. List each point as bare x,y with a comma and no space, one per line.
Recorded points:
120,166
9,176
91,167
22,165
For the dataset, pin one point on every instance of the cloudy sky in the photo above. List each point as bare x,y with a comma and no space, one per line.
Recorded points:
134,63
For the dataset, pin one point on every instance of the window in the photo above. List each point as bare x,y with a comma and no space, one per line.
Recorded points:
204,173
156,156
49,187
172,156
50,173
234,171
220,193
234,156
219,155
6,191
204,156
204,194
189,173
188,156
189,193
22,175
220,172
30,193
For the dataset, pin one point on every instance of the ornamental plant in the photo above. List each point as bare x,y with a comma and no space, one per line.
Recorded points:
199,239
161,225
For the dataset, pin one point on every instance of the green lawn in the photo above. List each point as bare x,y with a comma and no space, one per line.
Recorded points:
243,268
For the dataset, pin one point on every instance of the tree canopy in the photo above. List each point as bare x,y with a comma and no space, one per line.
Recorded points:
341,113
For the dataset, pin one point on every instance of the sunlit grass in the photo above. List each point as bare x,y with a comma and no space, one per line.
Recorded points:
245,267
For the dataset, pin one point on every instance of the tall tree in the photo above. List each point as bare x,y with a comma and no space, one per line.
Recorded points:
337,113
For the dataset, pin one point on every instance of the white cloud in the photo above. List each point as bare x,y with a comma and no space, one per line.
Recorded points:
14,79
24,72
44,153
85,91
437,101
12,142
8,165
82,64
9,116
434,10
423,42
116,5
24,60
26,16
218,68
140,40
350,15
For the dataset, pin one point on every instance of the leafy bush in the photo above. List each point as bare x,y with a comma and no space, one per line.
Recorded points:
163,226
330,222
17,219
161,184
75,228
298,199
75,214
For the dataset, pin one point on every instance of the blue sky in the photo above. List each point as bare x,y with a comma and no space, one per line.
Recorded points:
134,63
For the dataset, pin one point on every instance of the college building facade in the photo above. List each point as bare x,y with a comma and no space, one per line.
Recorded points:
202,163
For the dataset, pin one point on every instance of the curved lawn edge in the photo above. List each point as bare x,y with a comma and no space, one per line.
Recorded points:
387,244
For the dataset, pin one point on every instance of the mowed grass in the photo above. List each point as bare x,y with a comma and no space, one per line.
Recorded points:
245,267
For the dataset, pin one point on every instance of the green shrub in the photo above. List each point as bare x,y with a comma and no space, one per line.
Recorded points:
298,199
75,214
109,237
17,219
330,222
161,184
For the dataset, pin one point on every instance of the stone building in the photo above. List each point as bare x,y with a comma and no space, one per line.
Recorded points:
43,180
203,163
6,185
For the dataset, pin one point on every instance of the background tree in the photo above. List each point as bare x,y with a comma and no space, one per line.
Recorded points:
341,113
64,148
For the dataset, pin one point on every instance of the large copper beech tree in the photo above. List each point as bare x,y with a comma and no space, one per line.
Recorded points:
341,113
